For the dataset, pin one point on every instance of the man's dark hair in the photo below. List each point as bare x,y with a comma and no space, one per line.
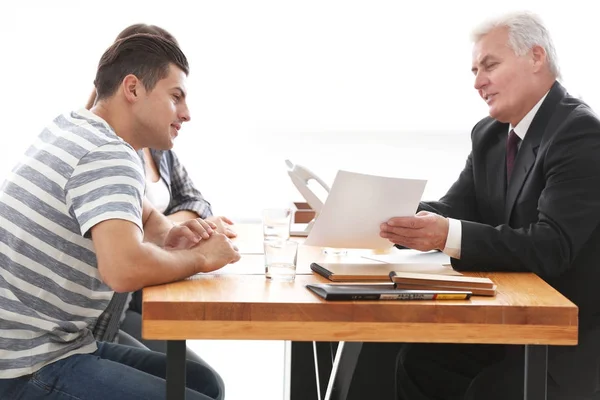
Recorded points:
145,28
146,56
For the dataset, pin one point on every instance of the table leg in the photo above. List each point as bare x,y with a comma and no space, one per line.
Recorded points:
316,356
536,372
346,358
176,369
303,375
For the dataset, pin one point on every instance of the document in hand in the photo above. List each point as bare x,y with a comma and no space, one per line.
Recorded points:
356,206
381,292
412,281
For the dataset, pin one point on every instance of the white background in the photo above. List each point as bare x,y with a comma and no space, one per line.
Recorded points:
371,86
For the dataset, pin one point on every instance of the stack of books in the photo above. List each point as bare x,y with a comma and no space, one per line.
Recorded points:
372,282
417,281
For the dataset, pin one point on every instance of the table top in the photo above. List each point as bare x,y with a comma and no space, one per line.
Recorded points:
526,310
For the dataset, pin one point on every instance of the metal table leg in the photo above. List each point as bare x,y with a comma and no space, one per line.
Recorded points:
176,370
536,372
346,358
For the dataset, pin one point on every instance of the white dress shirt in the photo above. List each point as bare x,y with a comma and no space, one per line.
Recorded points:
454,238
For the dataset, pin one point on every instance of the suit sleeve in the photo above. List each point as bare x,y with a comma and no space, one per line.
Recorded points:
459,202
568,210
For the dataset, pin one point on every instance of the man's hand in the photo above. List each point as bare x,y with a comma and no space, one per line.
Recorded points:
223,226
218,251
425,231
188,233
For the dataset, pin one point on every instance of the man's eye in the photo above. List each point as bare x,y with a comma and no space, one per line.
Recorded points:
491,65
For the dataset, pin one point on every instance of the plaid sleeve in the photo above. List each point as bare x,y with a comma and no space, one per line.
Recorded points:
184,195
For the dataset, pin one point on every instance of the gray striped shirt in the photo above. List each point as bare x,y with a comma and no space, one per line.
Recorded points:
77,173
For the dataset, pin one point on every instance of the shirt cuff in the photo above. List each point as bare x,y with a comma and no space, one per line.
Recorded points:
453,241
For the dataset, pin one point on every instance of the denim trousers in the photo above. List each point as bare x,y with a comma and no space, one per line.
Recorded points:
114,372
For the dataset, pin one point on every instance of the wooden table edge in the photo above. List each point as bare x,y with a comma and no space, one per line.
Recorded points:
362,332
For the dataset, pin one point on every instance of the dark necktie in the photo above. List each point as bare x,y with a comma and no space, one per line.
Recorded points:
512,146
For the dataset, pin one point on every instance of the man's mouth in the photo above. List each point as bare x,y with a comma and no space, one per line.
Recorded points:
488,97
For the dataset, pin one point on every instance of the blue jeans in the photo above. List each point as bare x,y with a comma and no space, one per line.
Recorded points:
114,372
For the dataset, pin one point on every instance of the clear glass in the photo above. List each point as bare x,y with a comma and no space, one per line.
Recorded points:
280,260
276,223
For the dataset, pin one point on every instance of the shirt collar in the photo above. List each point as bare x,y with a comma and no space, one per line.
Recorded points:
523,126
84,112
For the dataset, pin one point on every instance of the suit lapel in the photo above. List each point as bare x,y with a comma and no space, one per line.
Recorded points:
529,147
523,164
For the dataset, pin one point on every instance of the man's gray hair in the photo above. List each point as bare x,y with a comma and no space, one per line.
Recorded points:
525,30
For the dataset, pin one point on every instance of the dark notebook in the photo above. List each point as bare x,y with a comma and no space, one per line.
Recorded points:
330,291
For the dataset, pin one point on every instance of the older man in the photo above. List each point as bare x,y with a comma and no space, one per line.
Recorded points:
527,200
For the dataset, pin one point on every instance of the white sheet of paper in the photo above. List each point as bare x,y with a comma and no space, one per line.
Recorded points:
430,262
356,206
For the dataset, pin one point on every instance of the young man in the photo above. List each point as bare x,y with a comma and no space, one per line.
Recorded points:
74,227
528,200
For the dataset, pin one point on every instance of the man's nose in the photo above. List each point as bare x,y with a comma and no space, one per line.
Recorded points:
184,114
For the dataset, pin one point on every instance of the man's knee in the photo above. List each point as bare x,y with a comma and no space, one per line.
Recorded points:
414,359
407,362
202,378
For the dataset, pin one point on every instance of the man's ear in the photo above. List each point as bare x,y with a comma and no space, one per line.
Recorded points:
132,88
539,57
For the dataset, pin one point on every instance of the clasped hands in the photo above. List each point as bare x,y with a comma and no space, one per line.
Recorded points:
189,233
425,231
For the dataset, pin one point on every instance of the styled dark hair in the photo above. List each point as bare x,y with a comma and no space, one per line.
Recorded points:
129,31
145,28
144,55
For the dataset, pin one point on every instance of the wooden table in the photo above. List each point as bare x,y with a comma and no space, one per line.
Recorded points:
525,311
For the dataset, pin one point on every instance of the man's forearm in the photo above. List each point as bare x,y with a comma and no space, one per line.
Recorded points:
182,216
154,266
156,227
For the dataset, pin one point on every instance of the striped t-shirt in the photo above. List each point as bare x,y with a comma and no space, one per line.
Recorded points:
78,173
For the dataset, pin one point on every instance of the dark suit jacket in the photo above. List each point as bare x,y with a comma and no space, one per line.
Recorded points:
547,220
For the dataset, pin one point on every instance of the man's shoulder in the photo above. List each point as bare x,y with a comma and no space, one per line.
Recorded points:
87,126
487,126
90,134
578,109
560,106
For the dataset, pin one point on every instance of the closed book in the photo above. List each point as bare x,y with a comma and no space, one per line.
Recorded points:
440,280
330,291
475,291
370,272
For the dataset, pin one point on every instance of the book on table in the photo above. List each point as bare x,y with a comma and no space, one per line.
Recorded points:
479,286
353,291
371,272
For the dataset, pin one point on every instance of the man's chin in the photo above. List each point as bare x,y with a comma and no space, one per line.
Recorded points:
163,146
497,115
